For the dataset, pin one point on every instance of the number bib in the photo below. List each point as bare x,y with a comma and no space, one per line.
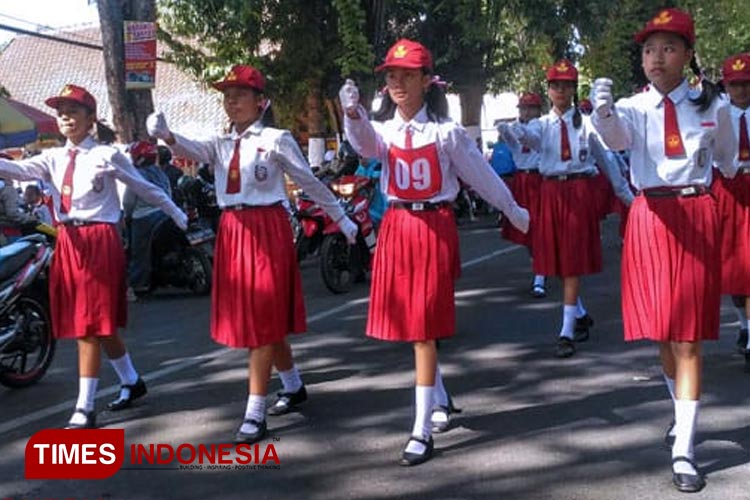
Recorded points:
414,173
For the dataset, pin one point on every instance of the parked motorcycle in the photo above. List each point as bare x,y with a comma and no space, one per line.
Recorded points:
27,344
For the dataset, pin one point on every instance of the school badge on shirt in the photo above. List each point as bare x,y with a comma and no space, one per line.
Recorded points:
261,171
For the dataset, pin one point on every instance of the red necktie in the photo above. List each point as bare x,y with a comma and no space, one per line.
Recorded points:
744,153
407,141
672,137
66,193
564,142
233,176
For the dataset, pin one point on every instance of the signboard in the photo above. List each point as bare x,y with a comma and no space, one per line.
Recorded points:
140,54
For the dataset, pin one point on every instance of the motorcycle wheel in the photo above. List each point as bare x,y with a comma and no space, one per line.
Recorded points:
27,359
335,263
199,270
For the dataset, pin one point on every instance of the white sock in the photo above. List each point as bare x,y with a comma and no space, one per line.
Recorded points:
580,310
670,385
686,415
125,369
86,396
569,321
422,425
747,325
538,280
256,410
291,380
439,398
741,316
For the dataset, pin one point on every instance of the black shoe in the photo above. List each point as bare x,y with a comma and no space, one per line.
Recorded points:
565,348
668,436
90,422
742,340
538,291
287,400
581,332
688,483
409,459
747,361
442,426
251,437
135,391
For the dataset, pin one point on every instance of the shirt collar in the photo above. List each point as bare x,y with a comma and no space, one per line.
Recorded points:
737,112
678,94
567,116
418,122
255,129
84,145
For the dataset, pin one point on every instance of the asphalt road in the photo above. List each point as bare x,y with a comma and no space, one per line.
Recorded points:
532,427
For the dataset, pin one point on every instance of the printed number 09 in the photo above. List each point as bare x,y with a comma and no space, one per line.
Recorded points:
417,177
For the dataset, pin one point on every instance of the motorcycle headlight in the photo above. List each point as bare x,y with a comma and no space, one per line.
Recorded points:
346,189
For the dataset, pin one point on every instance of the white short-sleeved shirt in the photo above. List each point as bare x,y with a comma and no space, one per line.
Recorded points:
549,140
524,157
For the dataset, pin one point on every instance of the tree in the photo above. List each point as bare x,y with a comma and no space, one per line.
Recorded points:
129,108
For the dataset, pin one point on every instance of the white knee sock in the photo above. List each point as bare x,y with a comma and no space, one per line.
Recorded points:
538,280
125,369
422,425
670,385
86,395
569,321
440,395
747,325
291,380
256,410
686,415
580,310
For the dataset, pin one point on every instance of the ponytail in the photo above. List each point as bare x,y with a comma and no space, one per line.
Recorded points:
577,112
104,134
710,90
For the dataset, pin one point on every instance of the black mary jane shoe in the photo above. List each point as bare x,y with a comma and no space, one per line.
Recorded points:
538,291
581,331
450,409
688,483
286,401
251,437
742,340
668,436
90,422
747,361
564,348
135,391
408,459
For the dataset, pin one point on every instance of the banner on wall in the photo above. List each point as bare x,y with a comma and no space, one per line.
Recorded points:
140,54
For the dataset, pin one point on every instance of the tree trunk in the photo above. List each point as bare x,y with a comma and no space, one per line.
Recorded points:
129,108
471,98
316,125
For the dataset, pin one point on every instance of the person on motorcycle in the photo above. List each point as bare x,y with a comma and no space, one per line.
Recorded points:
142,218
423,153
11,216
257,295
35,204
87,273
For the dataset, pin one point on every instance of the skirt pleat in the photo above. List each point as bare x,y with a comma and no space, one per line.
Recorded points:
733,198
525,188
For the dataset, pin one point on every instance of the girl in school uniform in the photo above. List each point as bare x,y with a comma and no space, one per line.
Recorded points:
87,274
671,254
527,181
423,153
257,294
566,242
733,196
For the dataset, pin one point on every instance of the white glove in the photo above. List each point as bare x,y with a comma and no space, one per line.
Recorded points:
349,229
349,96
601,97
156,125
181,219
519,217
519,130
505,132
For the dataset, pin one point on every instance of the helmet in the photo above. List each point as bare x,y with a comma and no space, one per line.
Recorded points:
143,153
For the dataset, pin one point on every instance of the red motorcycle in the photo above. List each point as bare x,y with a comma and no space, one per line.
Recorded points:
341,264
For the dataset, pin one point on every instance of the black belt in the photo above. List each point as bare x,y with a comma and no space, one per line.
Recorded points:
527,171
506,176
568,177
242,206
79,222
680,191
419,206
744,170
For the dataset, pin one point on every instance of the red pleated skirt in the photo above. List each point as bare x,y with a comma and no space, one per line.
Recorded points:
87,282
257,290
604,194
733,197
414,272
671,270
567,240
525,187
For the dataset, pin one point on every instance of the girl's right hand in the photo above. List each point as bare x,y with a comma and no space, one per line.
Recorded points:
156,125
349,97
519,217
601,97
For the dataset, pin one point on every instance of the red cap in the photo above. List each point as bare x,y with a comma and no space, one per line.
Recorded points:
562,70
671,21
530,99
407,54
242,75
736,68
143,152
73,93
586,106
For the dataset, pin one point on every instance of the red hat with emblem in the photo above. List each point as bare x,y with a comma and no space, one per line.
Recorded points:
736,69
671,21
242,75
407,54
562,70
530,99
74,94
586,106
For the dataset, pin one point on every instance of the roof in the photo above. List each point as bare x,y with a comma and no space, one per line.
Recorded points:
33,69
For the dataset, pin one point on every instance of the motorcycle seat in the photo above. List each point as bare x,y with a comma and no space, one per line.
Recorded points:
14,256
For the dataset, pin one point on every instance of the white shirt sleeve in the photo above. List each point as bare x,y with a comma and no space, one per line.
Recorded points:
200,151
30,169
726,143
614,129
362,135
